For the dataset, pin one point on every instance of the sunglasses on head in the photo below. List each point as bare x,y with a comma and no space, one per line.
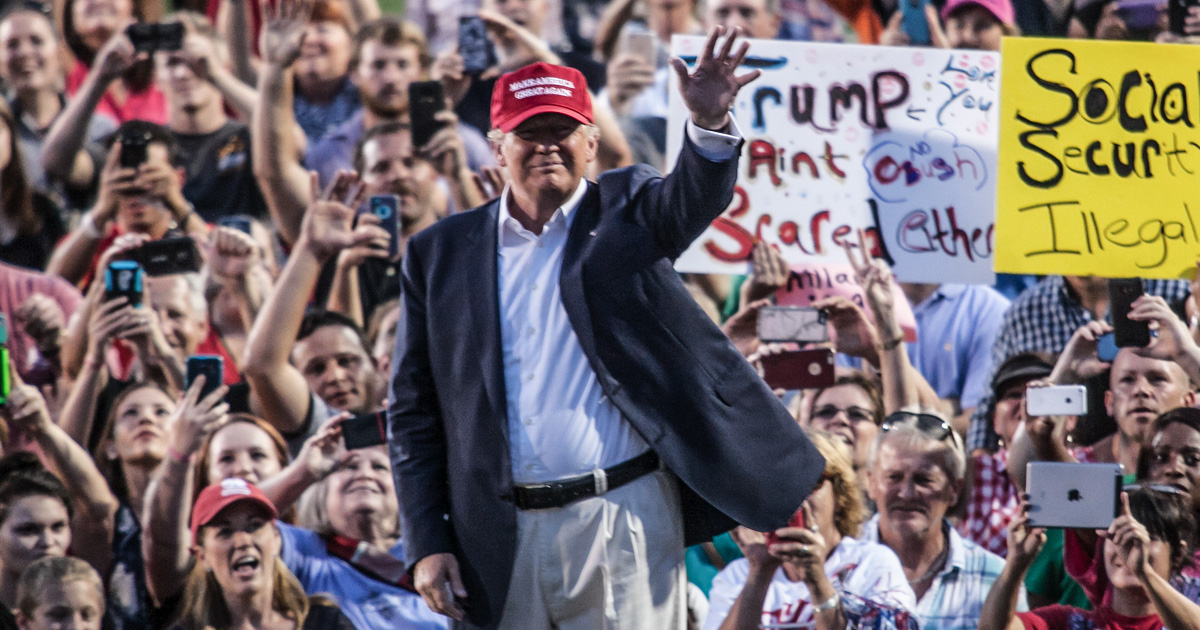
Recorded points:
1155,487
926,423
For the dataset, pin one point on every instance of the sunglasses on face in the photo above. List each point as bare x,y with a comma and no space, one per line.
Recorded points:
855,414
926,423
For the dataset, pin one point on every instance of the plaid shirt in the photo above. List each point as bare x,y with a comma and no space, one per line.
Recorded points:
1042,319
994,502
955,599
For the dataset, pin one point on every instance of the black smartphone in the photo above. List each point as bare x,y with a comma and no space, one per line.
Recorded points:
1121,294
1177,12
425,100
168,256
364,431
478,53
154,36
240,223
169,36
387,208
123,278
133,149
144,36
211,366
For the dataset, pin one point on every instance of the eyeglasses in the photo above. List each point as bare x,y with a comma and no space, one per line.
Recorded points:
855,414
927,423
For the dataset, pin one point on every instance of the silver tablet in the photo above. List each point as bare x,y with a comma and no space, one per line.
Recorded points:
1077,496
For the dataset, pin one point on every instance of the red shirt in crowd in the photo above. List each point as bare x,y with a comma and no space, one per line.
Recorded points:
1068,618
148,104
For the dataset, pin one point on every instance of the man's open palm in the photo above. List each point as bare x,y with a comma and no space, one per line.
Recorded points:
709,91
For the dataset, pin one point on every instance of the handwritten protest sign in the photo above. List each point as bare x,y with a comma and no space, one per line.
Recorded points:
898,141
812,282
1100,159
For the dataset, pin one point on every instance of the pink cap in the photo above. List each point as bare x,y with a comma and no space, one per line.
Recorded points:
540,88
1002,9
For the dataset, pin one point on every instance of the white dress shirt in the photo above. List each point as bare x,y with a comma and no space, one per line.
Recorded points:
560,423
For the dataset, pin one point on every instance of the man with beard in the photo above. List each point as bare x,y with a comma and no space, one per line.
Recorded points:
388,55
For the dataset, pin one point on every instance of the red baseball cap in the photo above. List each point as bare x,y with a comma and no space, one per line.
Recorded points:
1002,9
219,496
540,88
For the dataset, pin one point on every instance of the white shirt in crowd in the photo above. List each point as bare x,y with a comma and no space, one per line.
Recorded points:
560,423
856,567
955,598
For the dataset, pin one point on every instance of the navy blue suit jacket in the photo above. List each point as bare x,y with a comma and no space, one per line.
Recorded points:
668,369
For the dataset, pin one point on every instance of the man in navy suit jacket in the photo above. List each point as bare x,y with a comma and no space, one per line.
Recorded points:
564,417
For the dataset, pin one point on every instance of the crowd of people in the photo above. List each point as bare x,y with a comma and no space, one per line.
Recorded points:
137,495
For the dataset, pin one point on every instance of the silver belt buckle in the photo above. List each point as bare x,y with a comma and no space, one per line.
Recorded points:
600,479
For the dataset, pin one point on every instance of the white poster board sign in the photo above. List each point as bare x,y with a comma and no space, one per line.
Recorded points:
900,142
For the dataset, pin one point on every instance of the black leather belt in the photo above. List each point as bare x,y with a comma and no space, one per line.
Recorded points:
555,494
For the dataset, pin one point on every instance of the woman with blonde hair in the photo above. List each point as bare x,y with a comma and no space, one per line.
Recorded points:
814,572
239,580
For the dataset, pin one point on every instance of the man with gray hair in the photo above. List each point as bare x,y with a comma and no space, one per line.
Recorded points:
916,474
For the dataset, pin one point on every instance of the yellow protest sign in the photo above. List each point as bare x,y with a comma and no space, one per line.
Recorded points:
1099,158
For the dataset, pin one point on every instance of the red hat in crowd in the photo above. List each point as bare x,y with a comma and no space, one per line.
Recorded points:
1002,9
540,88
219,496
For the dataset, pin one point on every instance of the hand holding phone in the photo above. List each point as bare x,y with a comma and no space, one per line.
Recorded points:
797,520
425,100
1122,292
387,209
123,278
211,367
1058,400
915,23
364,431
800,324
477,51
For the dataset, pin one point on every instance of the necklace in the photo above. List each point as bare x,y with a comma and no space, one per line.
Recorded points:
934,567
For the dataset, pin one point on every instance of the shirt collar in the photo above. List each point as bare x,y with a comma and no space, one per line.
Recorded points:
566,212
957,559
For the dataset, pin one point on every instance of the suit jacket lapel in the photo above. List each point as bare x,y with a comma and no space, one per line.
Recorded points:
482,302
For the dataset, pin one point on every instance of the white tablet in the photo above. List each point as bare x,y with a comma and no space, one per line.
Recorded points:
1077,496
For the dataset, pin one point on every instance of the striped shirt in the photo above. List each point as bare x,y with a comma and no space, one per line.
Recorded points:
954,600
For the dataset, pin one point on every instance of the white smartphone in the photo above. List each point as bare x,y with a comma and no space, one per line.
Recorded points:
802,324
1059,400
1075,496
642,45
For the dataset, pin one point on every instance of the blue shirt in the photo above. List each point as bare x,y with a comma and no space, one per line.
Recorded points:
368,603
956,329
318,119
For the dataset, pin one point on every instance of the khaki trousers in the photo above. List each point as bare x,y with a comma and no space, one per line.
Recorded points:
613,562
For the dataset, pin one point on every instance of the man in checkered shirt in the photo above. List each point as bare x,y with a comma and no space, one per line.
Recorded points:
1042,319
994,497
